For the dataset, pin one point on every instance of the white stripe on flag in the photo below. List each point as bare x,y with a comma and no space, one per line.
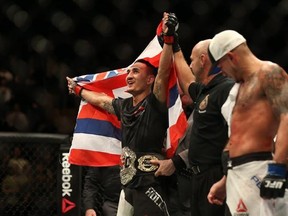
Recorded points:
102,144
175,111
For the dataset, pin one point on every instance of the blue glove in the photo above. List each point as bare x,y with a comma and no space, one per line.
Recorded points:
274,183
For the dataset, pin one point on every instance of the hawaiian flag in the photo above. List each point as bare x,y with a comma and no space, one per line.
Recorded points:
97,134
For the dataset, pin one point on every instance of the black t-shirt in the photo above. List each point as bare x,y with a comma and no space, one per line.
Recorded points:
143,131
143,126
210,130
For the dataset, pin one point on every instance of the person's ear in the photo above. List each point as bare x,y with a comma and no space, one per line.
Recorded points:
231,56
203,60
150,79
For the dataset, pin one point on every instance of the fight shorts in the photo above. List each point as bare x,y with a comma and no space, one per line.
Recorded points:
243,187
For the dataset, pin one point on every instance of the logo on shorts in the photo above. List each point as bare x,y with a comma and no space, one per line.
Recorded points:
157,199
256,180
203,104
241,209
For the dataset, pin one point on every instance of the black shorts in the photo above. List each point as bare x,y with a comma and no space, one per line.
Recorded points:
147,201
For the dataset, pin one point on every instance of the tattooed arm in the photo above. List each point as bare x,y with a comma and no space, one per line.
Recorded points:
95,98
276,90
161,82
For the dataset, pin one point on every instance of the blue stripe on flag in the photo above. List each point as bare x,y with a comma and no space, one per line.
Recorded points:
173,95
97,127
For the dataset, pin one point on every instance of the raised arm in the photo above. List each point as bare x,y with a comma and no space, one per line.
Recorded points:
161,81
98,99
184,73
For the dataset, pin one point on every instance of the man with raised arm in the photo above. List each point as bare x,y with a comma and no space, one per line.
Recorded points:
144,122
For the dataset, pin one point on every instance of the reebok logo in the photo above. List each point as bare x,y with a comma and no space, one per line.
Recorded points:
241,209
67,205
66,178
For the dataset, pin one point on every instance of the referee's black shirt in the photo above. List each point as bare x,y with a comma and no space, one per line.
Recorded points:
209,131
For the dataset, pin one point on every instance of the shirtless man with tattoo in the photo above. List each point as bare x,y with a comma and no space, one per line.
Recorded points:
258,144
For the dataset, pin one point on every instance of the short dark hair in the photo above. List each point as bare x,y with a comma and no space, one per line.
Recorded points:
154,69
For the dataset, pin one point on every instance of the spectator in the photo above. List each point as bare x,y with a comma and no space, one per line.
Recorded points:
101,191
15,185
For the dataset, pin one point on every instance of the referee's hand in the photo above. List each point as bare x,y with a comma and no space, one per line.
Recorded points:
165,167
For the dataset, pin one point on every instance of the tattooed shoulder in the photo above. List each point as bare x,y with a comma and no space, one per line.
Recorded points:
276,87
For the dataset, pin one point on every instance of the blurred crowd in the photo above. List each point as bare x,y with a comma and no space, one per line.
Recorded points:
28,179
31,103
43,41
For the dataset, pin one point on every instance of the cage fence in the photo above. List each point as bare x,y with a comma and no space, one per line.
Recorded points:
28,177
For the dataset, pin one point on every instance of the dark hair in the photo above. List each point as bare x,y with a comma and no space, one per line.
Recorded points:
155,69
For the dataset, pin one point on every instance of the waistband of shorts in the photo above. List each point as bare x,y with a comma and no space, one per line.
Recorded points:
257,156
196,170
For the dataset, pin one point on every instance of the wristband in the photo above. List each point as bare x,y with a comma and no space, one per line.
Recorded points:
176,47
168,39
78,90
277,169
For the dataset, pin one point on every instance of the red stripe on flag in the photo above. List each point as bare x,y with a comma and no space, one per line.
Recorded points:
176,132
154,60
92,158
92,112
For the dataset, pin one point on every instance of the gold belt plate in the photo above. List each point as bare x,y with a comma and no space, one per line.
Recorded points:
144,163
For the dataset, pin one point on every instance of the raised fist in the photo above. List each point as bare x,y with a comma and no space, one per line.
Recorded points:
172,24
73,88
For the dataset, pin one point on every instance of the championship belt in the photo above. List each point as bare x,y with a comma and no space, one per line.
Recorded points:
127,170
144,163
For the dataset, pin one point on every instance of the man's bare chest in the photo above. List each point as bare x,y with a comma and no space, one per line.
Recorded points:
249,94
